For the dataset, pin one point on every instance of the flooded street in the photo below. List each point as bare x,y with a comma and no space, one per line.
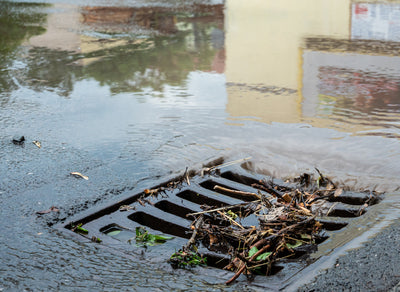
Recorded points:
129,92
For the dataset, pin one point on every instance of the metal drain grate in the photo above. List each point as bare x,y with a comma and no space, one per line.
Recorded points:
166,214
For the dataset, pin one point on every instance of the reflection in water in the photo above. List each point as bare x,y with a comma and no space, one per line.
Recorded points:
159,19
151,18
17,22
375,21
362,95
193,42
341,77
363,91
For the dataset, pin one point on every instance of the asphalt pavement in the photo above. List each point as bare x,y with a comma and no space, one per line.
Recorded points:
373,267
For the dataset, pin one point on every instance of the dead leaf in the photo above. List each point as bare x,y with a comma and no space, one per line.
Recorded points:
330,186
287,198
338,192
79,175
213,239
151,191
37,143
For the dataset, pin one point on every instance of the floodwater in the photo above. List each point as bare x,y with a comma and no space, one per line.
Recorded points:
128,92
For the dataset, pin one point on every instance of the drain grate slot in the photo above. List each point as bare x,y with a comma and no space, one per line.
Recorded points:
242,179
160,224
352,198
346,212
200,199
172,208
332,225
216,260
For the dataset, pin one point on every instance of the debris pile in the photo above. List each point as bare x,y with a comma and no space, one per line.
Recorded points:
278,223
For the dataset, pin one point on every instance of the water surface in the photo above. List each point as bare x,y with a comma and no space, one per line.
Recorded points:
128,92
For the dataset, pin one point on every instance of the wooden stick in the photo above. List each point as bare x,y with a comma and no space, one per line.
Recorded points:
241,269
241,193
260,251
192,239
304,210
263,241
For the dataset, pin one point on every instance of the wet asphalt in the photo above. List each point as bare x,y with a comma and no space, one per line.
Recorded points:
373,267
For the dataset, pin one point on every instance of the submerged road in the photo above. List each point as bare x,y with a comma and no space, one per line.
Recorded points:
130,92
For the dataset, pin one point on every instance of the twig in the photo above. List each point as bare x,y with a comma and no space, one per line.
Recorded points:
268,189
186,176
192,239
304,210
362,209
264,242
260,251
222,208
236,192
331,208
241,269
230,219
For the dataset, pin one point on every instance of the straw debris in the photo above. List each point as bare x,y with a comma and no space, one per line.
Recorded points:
284,224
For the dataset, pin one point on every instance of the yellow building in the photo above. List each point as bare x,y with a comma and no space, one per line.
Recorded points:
263,49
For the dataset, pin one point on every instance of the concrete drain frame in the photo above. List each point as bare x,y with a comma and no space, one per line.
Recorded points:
166,215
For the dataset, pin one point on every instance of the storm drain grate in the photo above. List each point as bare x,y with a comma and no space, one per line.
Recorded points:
165,214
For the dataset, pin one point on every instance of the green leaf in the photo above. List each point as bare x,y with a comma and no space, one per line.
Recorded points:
142,235
149,237
182,259
294,245
162,238
113,233
231,214
263,256
305,236
78,228
252,251
260,257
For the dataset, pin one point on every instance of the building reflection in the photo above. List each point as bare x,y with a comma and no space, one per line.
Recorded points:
263,44
354,82
127,48
160,19
326,65
284,61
